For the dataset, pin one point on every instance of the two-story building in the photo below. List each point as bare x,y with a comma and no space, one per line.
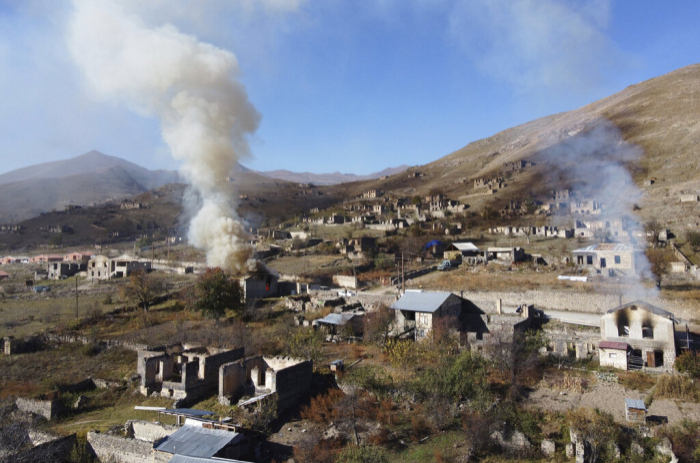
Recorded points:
418,312
637,335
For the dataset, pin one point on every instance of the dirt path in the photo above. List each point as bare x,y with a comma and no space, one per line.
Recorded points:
610,397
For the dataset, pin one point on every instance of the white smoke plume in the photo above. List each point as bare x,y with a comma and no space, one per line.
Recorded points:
192,88
596,161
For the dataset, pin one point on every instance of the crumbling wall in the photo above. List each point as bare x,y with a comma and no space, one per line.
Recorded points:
48,408
292,383
113,448
147,431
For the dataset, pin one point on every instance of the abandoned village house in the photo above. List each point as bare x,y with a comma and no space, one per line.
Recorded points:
616,257
288,378
638,335
181,373
418,312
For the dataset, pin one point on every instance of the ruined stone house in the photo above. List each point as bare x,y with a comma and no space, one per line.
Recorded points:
103,268
620,258
258,376
586,207
508,255
58,270
638,335
182,373
418,312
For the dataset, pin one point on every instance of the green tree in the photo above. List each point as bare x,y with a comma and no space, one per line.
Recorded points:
306,343
215,292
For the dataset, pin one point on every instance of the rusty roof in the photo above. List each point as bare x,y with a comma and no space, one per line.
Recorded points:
613,345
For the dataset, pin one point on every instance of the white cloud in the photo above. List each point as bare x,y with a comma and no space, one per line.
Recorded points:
531,43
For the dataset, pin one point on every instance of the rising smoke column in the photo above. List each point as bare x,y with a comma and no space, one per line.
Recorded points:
596,159
191,87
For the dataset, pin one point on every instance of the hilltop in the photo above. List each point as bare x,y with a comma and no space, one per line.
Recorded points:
661,116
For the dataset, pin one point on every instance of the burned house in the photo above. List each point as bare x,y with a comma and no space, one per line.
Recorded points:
259,285
621,258
258,376
417,312
59,270
637,335
182,373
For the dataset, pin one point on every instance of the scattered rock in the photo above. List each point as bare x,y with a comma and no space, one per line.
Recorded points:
517,441
665,448
638,449
81,402
569,450
548,448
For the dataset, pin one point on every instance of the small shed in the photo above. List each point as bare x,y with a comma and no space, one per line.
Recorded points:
635,410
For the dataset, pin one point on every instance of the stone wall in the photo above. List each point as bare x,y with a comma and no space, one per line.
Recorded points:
147,431
292,383
47,408
117,449
576,301
345,281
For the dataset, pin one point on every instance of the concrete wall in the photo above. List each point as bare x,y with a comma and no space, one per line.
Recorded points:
292,382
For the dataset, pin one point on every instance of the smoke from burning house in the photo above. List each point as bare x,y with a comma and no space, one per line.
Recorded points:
192,88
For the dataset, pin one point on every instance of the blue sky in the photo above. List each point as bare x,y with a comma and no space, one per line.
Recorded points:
350,86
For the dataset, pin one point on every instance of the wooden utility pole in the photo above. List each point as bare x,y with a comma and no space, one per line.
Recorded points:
76,298
403,276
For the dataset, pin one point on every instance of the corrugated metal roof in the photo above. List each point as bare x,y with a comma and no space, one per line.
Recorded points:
415,301
186,459
465,247
613,345
635,403
195,441
336,318
615,247
186,412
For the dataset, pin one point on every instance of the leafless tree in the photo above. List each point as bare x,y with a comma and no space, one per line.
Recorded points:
142,288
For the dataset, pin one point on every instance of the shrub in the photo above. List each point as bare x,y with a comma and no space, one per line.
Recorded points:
677,387
688,362
362,454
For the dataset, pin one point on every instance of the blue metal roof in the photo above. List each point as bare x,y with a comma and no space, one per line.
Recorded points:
636,404
195,441
415,301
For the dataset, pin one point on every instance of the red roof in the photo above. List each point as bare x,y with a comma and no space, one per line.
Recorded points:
613,345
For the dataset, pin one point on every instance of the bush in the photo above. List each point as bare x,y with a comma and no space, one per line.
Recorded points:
362,454
677,387
688,362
